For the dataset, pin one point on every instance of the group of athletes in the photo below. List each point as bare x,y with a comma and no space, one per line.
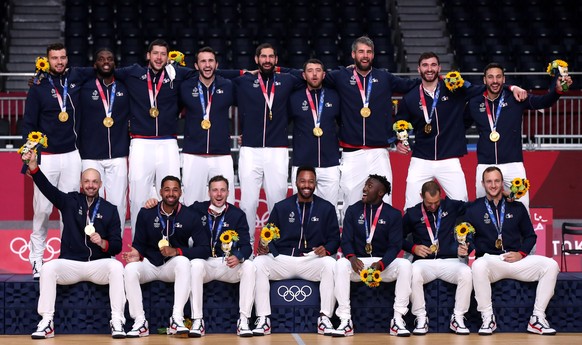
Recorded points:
101,120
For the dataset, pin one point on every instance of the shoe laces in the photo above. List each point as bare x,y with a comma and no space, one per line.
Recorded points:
399,322
261,321
326,322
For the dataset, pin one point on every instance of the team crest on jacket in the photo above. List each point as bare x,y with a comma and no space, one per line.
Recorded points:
256,83
328,104
178,225
99,216
119,94
314,219
361,219
95,95
156,222
53,93
219,91
80,211
381,221
304,106
203,219
195,92
292,217
509,216
486,218
444,99
226,225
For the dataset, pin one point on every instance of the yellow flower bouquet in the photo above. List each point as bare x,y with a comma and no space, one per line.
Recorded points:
226,240
268,233
34,142
559,66
41,65
177,56
463,230
371,277
402,127
519,186
453,80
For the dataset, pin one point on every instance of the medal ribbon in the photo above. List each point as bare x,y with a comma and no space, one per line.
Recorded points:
493,122
218,227
301,215
437,224
437,91
316,113
154,97
91,220
373,223
268,98
62,100
497,222
365,97
107,106
205,107
164,225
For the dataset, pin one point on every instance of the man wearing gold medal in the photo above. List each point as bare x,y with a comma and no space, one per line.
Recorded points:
206,149
153,97
372,237
436,254
366,118
89,240
104,136
504,237
161,251
309,237
437,116
314,111
498,118
51,108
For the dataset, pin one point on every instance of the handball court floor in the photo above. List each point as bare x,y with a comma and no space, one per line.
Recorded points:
306,339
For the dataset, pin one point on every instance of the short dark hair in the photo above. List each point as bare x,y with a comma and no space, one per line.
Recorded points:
305,168
158,42
264,46
55,46
313,61
100,50
490,169
428,55
493,65
382,179
431,187
171,178
218,178
363,40
206,49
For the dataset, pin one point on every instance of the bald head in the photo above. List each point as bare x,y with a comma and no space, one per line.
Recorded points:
90,182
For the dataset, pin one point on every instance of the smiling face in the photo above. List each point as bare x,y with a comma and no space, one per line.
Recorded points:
494,80
57,61
90,182
170,193
206,65
305,185
218,193
373,192
429,69
157,57
105,63
363,57
493,184
266,60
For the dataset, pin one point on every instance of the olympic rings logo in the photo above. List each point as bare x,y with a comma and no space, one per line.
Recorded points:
19,246
294,292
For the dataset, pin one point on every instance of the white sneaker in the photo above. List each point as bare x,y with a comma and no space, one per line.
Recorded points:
324,325
539,325
36,266
489,325
139,329
117,331
458,325
421,327
242,327
262,326
177,326
345,329
44,330
398,327
197,329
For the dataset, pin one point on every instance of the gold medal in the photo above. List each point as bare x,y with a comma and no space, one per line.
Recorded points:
498,243
89,229
163,243
63,116
365,112
494,136
368,248
317,131
108,122
427,128
154,112
205,124
434,248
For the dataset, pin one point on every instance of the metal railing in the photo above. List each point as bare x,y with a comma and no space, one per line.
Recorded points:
556,128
